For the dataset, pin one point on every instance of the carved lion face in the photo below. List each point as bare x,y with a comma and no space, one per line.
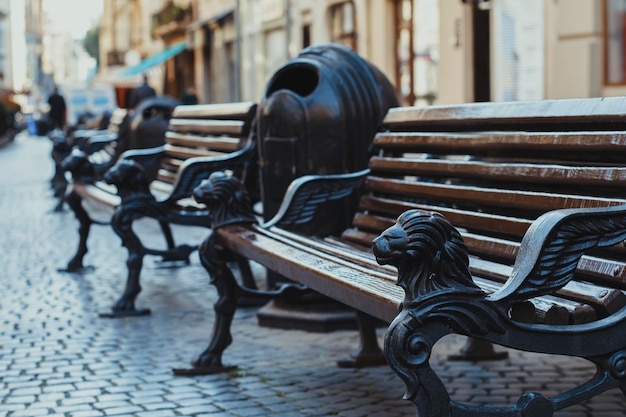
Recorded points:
127,174
78,164
226,199
390,246
217,187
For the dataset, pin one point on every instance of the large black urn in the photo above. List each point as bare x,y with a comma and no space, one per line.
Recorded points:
319,114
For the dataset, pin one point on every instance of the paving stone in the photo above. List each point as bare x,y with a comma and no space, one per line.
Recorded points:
156,413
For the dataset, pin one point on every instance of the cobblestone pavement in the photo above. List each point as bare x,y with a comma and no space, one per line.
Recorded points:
57,358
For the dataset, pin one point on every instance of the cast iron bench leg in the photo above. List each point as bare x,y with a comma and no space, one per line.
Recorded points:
215,260
122,221
167,233
75,202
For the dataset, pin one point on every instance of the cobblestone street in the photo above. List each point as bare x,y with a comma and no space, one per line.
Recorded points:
58,358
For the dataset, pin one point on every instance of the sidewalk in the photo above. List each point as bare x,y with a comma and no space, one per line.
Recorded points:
57,358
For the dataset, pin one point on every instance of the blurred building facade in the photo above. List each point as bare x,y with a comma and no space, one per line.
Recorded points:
434,51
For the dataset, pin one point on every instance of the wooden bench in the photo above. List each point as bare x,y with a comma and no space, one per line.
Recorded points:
143,127
511,216
157,183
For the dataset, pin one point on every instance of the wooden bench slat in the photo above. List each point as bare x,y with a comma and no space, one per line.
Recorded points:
186,153
512,226
338,251
217,143
171,164
354,287
99,193
487,196
562,112
209,127
513,172
239,110
358,237
166,176
481,142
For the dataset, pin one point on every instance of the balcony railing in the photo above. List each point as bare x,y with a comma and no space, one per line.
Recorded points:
171,19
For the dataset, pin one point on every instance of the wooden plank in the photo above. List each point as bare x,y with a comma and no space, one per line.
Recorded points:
239,110
171,164
489,141
167,176
513,172
101,194
186,153
555,112
161,188
208,127
341,281
358,237
339,251
488,197
216,143
468,219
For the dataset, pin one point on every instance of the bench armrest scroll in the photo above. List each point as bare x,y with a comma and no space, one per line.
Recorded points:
306,194
97,142
554,244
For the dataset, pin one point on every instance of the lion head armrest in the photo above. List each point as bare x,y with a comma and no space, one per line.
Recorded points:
228,201
77,163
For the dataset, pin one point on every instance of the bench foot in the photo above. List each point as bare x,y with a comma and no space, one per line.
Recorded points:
77,269
203,370
369,353
174,256
251,302
478,350
362,361
125,313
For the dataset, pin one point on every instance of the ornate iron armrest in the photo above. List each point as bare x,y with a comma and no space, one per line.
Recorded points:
148,158
553,245
194,170
307,193
441,298
99,141
228,202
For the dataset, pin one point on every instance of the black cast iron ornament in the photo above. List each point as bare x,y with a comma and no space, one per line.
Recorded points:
440,298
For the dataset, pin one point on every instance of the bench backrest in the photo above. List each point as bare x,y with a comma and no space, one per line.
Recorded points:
203,130
108,152
493,168
117,118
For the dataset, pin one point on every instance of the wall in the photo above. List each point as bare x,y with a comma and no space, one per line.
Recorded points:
454,71
573,49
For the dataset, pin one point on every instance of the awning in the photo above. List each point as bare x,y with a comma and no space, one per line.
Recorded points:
155,59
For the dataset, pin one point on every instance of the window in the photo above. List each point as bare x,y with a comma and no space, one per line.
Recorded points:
416,50
306,35
343,25
404,50
615,41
